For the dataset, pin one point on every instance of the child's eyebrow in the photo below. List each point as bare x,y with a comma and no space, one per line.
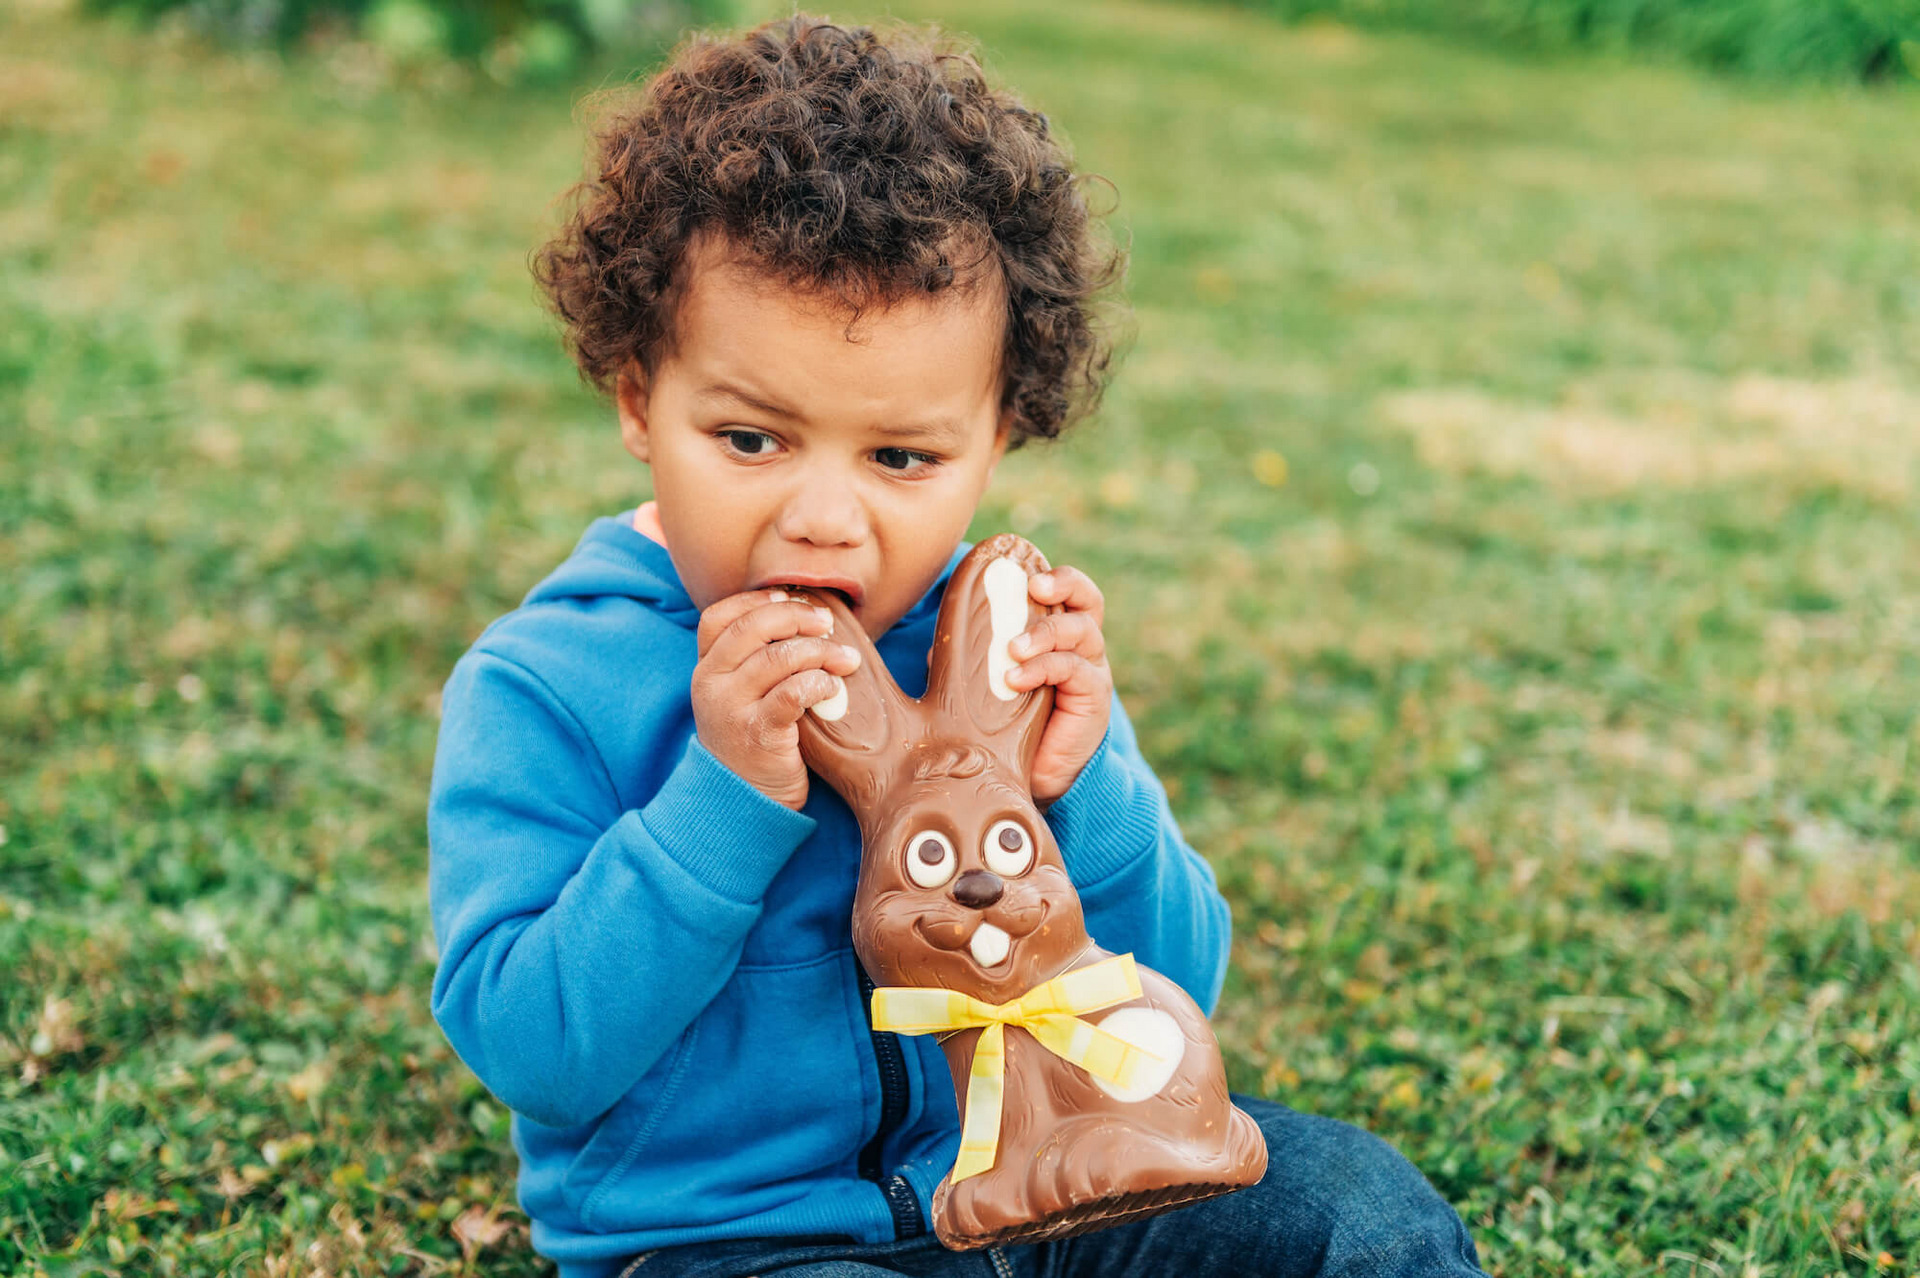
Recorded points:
934,430
721,390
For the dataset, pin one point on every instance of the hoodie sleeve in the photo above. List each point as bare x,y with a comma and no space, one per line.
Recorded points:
578,940
1142,889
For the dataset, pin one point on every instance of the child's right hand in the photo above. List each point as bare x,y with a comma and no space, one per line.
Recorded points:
765,658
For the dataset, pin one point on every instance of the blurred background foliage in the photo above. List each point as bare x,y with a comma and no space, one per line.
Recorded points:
1508,505
510,39
1865,40
1783,39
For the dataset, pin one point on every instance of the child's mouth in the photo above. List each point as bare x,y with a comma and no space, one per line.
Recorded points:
842,595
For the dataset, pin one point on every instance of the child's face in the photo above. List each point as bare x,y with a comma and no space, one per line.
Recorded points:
865,477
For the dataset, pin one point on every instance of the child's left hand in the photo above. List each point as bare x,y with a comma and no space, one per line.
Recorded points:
1067,650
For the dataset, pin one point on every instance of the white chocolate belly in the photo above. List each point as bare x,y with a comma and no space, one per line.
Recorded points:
1150,1030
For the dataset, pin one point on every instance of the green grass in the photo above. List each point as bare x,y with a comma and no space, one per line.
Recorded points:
1508,511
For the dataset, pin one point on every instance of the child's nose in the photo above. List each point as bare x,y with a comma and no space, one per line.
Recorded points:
824,513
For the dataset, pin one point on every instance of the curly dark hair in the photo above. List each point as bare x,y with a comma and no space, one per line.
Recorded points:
867,168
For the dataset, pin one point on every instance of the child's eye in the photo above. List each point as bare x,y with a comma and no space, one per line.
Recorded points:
751,443
903,459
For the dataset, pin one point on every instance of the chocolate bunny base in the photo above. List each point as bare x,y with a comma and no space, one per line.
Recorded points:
1073,1159
962,889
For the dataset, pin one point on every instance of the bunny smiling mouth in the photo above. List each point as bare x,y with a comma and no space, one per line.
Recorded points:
988,943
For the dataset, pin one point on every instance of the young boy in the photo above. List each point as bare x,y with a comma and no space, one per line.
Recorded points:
829,280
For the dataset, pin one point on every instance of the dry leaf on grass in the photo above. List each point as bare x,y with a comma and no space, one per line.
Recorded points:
477,1228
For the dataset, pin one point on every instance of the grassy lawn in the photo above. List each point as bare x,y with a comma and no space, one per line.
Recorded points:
1509,508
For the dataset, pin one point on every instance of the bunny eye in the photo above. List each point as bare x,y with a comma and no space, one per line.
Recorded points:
1009,849
930,859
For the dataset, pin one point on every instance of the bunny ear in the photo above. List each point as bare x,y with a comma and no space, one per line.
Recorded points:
839,737
986,605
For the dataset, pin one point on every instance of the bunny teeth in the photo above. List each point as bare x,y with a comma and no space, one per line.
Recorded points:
989,945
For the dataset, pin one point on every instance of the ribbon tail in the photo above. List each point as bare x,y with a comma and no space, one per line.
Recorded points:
1086,989
986,1083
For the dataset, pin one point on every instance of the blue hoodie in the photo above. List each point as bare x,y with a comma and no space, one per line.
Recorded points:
649,962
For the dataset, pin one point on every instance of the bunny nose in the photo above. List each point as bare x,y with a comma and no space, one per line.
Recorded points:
977,889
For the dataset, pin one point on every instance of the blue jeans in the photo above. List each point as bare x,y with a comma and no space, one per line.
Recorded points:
1335,1200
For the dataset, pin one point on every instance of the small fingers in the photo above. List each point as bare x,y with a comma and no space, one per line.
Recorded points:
715,619
1071,589
769,665
1061,632
793,696
763,623
1057,668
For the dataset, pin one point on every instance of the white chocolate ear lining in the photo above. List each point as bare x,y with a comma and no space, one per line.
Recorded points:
834,707
1006,585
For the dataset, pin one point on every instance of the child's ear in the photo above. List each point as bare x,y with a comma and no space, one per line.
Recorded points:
1002,436
630,401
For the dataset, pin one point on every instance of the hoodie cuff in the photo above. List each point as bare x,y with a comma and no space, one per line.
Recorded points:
1105,820
730,837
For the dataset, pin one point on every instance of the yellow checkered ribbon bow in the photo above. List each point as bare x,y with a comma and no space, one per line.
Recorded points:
1050,1012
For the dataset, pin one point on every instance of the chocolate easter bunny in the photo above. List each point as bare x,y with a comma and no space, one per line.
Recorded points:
1091,1089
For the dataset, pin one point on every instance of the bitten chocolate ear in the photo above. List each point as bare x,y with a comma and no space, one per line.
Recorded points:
840,737
986,605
